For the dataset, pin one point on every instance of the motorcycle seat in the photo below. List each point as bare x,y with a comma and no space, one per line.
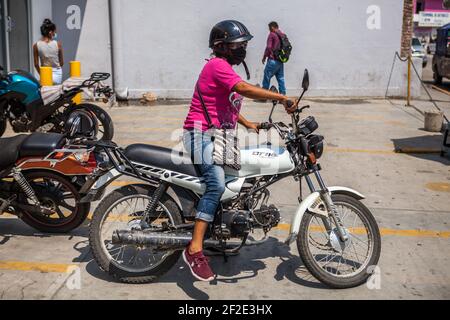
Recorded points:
40,144
10,149
162,158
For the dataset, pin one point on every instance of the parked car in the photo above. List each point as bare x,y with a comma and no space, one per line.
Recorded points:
441,58
419,51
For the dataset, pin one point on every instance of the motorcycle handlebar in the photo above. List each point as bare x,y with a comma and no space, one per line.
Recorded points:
265,126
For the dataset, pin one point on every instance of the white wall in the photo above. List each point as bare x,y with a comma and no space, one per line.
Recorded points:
161,46
41,9
94,45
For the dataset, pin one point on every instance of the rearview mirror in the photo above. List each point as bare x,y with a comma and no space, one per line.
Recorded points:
305,81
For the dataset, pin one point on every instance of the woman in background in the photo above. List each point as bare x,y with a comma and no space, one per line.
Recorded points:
48,52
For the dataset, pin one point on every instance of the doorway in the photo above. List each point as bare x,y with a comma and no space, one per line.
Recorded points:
15,46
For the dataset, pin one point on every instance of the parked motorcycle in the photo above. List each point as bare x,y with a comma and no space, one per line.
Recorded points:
22,104
42,176
138,231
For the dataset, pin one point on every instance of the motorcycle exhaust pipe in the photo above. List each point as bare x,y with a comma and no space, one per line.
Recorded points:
157,240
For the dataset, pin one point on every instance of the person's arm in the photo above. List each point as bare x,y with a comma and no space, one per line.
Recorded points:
269,48
250,91
36,58
60,54
248,124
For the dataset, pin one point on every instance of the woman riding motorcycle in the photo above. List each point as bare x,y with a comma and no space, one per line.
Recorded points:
222,91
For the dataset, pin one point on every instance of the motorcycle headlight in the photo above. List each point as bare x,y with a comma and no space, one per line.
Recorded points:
308,126
315,145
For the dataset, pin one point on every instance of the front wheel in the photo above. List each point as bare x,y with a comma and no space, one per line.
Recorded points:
124,209
336,263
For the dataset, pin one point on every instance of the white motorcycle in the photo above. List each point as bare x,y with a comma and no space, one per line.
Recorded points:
138,231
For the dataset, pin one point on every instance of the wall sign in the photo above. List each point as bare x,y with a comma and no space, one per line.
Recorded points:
433,19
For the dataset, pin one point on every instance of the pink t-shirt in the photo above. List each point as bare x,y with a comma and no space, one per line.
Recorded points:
216,82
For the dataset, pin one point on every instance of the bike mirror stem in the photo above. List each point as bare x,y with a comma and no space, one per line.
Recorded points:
271,113
301,96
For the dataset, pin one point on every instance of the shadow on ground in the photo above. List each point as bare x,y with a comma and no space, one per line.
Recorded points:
10,228
422,143
247,265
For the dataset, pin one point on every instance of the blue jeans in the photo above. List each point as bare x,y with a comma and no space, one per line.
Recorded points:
274,68
200,147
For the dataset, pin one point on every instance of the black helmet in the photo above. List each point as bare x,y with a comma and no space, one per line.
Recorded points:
228,31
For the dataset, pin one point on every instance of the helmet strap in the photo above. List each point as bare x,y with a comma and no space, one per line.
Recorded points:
246,70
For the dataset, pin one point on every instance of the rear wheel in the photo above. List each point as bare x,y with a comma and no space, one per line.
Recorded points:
105,123
336,263
123,209
61,197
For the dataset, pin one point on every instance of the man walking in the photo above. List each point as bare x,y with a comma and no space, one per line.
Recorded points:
274,66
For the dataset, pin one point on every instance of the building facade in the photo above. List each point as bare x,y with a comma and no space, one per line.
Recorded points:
429,15
160,46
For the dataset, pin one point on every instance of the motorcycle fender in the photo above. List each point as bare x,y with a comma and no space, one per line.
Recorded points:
186,200
96,190
67,167
310,203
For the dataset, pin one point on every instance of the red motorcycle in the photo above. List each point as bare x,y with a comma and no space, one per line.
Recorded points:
42,177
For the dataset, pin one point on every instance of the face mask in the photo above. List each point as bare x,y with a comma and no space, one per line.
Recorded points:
55,36
237,56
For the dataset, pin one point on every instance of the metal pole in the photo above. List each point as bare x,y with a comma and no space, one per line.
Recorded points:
111,44
408,96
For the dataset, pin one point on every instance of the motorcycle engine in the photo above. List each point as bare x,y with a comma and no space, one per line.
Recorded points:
236,222
21,124
241,222
267,217
20,119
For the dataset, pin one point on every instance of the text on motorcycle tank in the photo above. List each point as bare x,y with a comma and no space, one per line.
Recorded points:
265,154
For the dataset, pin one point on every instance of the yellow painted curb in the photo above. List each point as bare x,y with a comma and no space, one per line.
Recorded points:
438,186
384,232
35,266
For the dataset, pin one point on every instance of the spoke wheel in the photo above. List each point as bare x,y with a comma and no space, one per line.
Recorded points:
58,195
334,262
123,209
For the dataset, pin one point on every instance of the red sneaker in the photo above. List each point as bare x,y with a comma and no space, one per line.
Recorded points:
199,265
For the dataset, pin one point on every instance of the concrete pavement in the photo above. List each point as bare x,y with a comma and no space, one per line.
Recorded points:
409,194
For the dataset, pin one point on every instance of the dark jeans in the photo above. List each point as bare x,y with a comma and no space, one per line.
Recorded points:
274,68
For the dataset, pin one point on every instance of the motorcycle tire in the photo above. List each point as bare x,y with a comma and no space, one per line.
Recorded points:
52,225
103,118
318,272
3,124
105,260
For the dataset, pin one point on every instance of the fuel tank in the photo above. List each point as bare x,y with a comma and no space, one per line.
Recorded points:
23,86
262,160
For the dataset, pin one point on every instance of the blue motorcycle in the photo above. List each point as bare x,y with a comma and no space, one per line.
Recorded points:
21,105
